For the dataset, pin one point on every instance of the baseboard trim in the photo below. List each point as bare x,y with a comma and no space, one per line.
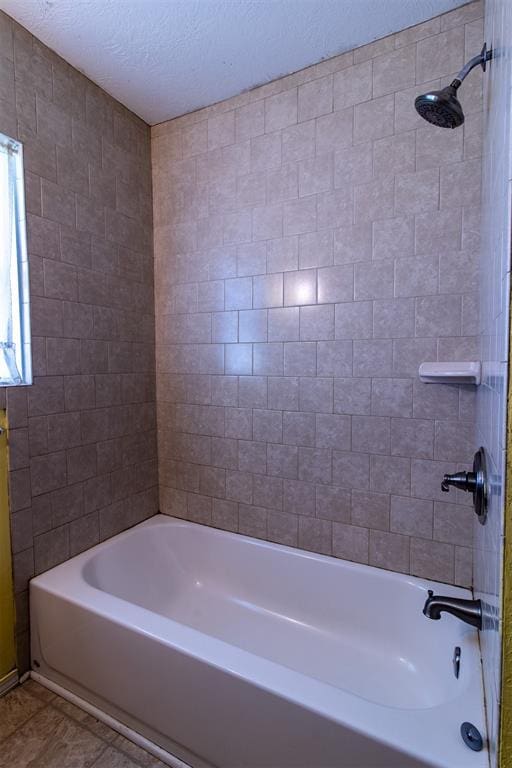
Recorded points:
116,725
9,681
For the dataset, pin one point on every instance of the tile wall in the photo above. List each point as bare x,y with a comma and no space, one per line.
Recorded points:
494,329
315,240
83,437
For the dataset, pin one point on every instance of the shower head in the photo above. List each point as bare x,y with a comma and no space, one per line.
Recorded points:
442,108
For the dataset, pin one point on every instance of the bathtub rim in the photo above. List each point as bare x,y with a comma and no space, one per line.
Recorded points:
350,565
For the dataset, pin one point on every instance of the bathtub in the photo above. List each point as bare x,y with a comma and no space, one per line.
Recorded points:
229,651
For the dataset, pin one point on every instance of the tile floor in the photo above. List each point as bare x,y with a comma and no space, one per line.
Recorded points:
41,730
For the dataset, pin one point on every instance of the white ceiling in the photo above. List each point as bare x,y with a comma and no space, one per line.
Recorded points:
164,58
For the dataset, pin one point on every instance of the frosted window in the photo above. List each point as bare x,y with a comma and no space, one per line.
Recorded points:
15,359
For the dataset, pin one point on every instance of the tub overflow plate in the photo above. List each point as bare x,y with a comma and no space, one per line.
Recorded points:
472,737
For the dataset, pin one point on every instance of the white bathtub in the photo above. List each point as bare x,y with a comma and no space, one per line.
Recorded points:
228,651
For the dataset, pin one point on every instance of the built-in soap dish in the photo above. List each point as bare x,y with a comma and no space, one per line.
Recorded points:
451,373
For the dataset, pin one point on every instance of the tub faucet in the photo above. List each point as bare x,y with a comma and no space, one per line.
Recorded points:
469,611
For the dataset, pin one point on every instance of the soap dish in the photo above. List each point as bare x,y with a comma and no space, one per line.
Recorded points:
451,373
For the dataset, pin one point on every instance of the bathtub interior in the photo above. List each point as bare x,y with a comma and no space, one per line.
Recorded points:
349,626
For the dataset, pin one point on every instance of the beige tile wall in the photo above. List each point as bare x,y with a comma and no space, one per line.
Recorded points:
314,242
83,438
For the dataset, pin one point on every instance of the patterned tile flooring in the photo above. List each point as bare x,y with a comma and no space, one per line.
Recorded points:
38,729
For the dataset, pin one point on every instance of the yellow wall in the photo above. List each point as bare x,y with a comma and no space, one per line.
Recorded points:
505,751
7,647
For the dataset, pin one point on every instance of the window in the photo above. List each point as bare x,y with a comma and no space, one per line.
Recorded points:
15,358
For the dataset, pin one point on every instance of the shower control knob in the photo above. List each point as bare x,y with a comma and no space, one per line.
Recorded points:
465,481
474,482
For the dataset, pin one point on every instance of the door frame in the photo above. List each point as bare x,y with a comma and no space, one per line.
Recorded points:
8,672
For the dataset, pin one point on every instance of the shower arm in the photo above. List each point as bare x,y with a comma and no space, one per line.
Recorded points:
483,57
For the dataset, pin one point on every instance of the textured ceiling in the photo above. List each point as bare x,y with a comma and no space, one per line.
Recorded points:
163,58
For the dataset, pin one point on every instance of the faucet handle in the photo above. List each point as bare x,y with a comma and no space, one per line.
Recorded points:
466,481
474,482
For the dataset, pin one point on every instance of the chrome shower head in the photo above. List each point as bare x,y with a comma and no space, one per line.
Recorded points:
442,108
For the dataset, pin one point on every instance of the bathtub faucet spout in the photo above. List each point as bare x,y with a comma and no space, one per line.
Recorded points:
469,611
